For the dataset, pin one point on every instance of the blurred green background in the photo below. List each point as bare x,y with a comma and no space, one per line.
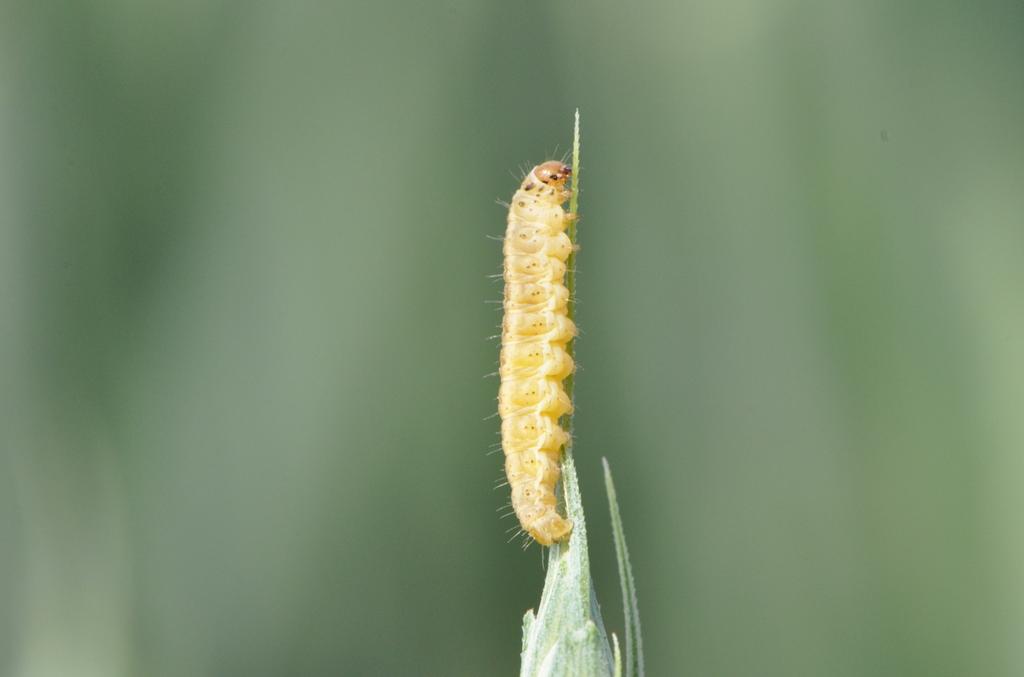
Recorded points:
243,275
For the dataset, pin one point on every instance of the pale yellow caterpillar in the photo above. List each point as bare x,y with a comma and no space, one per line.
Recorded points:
534,361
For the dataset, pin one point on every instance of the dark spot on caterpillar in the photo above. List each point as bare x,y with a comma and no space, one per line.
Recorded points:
528,186
522,204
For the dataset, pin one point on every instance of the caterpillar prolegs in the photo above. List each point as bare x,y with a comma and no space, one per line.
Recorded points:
534,360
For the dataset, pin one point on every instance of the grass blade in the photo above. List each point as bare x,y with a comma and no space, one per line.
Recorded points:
634,642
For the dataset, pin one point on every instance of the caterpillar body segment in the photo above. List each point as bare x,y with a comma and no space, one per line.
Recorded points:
530,358
533,394
532,297
534,361
536,268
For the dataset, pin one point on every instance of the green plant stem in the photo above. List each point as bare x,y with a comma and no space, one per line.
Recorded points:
570,262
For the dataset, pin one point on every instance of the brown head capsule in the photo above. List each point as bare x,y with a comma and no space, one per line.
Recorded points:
553,172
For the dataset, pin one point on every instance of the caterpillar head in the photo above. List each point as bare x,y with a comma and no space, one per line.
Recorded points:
553,173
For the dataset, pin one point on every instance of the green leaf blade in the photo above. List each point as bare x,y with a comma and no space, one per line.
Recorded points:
630,606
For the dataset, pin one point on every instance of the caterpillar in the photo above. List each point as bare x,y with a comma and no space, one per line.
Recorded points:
535,332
